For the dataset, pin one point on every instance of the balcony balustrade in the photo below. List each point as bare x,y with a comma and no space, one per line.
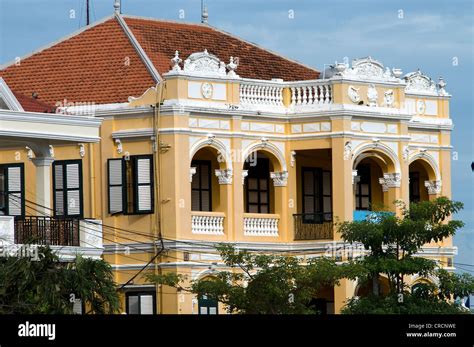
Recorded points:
208,223
313,226
260,224
47,231
284,96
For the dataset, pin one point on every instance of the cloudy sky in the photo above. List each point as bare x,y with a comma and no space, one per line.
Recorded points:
435,36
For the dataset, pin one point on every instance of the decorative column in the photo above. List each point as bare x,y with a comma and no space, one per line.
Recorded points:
342,172
43,185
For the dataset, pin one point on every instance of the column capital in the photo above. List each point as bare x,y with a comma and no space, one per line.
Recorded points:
390,180
280,179
434,187
224,176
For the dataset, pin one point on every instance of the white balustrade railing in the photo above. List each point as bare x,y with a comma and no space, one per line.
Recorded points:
210,223
252,93
270,95
311,94
261,224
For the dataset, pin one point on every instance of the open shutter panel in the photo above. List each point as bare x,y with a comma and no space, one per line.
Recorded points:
58,189
15,191
143,184
327,196
117,185
73,192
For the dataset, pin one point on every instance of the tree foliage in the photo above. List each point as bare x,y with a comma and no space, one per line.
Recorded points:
392,243
263,284
48,286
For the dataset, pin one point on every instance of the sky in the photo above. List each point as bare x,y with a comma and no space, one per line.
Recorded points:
435,36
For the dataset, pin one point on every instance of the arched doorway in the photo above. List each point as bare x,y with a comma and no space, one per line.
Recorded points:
376,175
259,192
263,176
205,190
423,181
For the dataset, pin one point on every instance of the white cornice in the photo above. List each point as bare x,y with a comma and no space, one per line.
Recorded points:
9,98
133,133
312,247
50,118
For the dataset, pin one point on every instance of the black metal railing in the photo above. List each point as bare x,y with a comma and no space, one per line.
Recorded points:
47,231
313,226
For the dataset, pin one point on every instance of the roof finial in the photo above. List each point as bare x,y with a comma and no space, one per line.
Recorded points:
204,13
117,6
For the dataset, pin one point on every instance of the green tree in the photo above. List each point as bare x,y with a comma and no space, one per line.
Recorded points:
263,284
47,286
392,243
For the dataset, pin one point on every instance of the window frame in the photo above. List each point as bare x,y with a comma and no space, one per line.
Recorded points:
134,160
6,192
197,164
64,164
263,173
358,194
139,294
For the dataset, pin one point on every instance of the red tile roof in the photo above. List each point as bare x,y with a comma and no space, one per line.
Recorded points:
88,67
31,104
100,65
160,40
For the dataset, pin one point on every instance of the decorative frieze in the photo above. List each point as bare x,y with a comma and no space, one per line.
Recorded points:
224,176
434,187
390,180
280,179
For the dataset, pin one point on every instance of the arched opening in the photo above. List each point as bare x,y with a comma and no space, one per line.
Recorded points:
420,172
323,301
259,190
205,188
375,173
368,191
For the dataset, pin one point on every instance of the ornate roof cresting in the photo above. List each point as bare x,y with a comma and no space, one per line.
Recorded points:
367,69
204,64
418,82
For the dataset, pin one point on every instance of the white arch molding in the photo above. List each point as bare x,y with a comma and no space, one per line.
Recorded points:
268,146
430,278
378,146
430,160
204,273
214,143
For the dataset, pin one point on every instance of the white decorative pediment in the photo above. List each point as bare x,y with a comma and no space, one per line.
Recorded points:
368,69
203,64
418,82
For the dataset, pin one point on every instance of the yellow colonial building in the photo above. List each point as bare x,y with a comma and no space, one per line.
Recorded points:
149,142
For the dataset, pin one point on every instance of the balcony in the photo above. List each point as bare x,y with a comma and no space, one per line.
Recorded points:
284,96
67,237
47,231
261,224
313,226
207,223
